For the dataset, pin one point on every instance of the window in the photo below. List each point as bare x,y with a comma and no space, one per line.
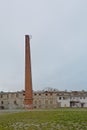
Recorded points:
70,97
2,102
46,102
51,94
12,95
15,102
35,102
59,98
17,95
46,94
51,102
1,96
7,95
23,94
39,101
35,107
83,97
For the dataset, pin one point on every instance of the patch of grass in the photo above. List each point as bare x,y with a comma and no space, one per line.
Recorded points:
59,119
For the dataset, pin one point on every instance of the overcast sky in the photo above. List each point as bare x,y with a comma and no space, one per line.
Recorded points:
58,44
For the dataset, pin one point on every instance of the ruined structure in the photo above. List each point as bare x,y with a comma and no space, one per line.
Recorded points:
48,98
44,99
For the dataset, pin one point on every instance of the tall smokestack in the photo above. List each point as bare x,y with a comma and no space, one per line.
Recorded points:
28,101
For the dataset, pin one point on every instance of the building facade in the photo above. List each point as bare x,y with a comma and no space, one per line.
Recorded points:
44,99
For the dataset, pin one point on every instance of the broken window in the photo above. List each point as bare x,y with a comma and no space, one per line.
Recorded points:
59,98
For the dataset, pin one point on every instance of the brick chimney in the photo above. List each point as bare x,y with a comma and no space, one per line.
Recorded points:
28,101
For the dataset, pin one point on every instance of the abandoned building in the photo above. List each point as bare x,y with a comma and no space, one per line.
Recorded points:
50,98
44,99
